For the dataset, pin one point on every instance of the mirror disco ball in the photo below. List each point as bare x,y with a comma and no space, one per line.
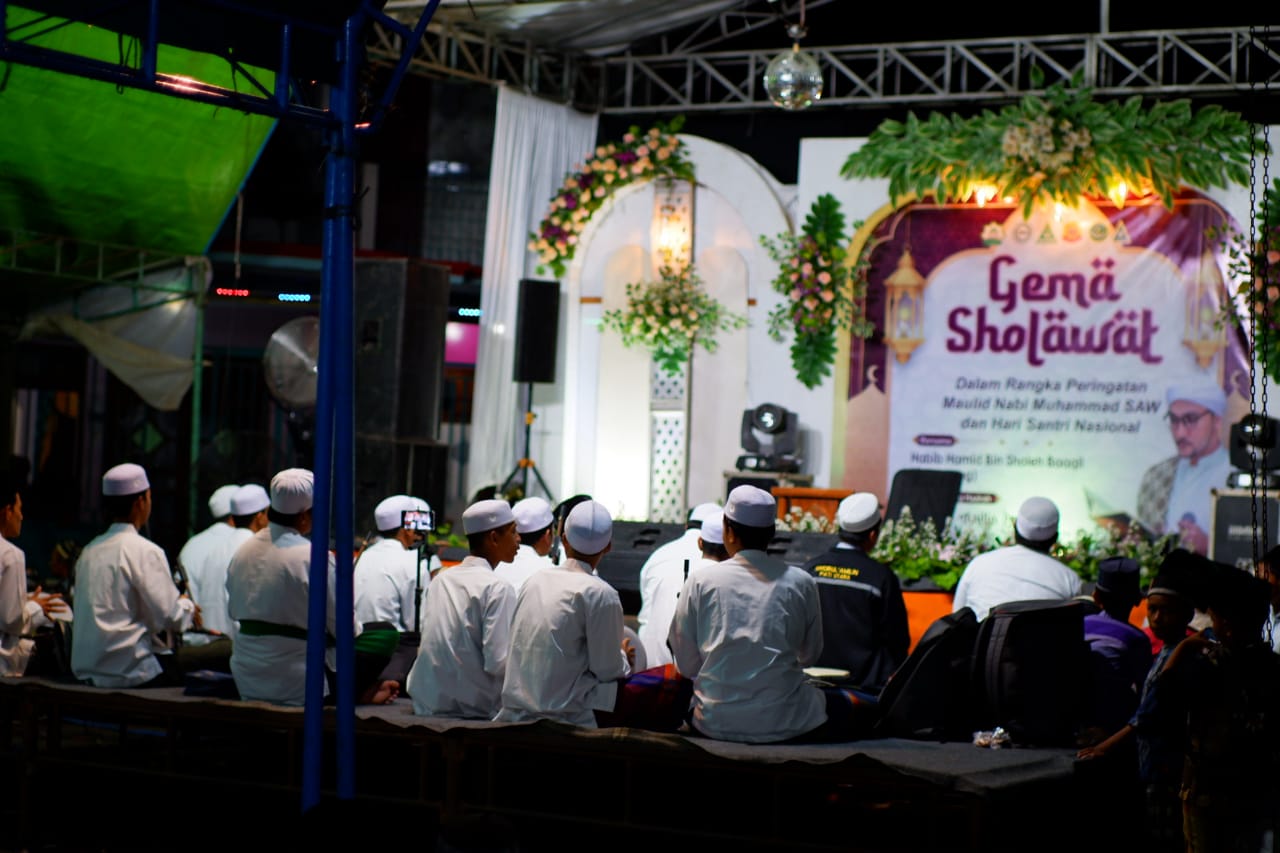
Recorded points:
793,79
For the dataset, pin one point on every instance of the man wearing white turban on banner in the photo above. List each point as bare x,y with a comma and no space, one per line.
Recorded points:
1174,495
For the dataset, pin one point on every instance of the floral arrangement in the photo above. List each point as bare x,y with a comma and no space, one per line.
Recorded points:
640,156
920,552
670,316
1059,147
821,293
1258,272
799,520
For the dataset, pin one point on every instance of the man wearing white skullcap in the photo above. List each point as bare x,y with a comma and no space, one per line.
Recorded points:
1023,571
389,574
744,630
207,580
1174,495
466,622
534,522
268,588
664,564
567,648
125,596
864,617
199,547
667,578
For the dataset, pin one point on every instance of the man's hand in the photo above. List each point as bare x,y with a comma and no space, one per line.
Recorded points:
1193,536
630,651
197,621
50,602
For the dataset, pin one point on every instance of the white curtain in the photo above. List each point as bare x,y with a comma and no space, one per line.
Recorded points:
535,143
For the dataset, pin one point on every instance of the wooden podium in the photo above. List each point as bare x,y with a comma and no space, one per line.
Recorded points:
820,502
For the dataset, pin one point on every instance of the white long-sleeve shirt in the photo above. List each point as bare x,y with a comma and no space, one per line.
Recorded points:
744,630
18,614
269,580
207,579
566,648
1015,573
386,581
527,562
466,636
667,580
124,595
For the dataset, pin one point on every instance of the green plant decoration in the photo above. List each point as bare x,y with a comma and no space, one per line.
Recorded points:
821,293
639,156
1059,147
670,316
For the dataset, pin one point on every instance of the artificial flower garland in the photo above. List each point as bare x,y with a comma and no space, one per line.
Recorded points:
670,316
1059,147
822,294
640,156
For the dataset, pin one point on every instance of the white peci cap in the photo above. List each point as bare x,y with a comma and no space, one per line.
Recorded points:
220,500
483,516
858,512
387,515
291,490
1037,519
712,531
125,479
532,514
751,506
589,528
1202,392
702,512
249,499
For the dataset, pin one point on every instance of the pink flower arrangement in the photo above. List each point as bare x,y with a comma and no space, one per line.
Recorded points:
640,155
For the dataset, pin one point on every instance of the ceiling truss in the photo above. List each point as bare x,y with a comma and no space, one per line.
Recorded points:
1166,63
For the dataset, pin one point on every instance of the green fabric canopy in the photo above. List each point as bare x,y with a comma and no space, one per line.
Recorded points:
85,159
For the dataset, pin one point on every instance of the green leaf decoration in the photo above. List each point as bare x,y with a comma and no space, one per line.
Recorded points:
1058,147
822,292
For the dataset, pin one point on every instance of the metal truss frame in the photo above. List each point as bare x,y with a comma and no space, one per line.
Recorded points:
1164,63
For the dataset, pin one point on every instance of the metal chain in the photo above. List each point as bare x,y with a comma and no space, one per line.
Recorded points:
1259,276
1252,303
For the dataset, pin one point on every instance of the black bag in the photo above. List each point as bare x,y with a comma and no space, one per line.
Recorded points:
1031,671
927,698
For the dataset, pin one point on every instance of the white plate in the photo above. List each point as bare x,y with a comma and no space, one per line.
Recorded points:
826,672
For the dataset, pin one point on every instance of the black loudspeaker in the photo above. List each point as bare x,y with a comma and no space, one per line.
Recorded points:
537,325
929,494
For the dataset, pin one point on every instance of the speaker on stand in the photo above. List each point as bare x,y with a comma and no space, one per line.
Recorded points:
537,332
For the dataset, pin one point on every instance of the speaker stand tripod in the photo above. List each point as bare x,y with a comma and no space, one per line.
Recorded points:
526,463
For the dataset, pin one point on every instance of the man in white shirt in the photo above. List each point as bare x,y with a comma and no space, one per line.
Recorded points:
1269,571
207,580
124,595
534,523
664,560
744,630
268,589
667,579
392,572
1174,495
20,613
466,623
568,653
1020,572
198,547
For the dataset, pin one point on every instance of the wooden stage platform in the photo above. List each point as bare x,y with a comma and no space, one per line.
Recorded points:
90,769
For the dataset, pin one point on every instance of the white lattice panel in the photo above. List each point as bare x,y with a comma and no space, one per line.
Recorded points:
666,391
666,481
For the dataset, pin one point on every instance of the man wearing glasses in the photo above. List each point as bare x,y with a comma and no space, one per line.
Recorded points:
1174,495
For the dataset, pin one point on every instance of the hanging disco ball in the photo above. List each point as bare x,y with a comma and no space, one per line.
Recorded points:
793,79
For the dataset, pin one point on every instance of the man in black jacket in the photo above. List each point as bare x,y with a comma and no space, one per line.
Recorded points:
864,620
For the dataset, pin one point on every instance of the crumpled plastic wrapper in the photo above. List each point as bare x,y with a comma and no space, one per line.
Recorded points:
997,738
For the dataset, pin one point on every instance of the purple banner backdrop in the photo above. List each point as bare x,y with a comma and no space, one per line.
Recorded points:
1039,357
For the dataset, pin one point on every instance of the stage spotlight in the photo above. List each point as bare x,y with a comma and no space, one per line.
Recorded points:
1253,452
769,434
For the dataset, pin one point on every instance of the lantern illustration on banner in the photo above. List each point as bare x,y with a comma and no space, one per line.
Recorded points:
904,315
672,224
1203,334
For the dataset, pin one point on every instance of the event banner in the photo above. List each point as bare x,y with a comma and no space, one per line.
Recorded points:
1077,354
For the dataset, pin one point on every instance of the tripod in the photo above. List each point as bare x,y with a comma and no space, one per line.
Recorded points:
526,464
